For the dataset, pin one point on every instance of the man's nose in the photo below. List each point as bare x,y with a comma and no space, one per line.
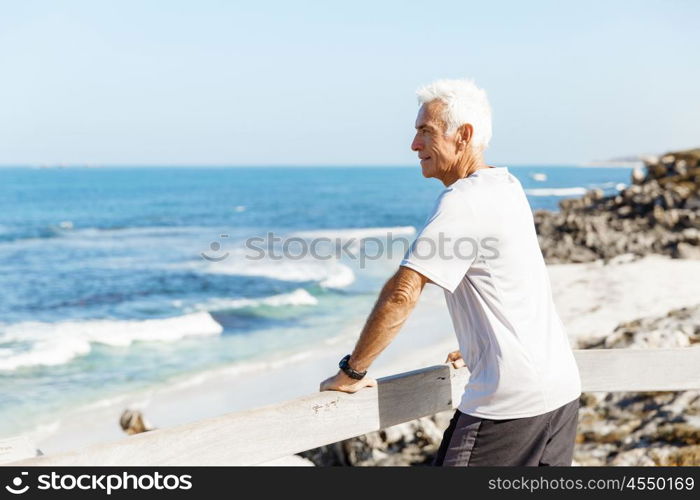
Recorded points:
416,145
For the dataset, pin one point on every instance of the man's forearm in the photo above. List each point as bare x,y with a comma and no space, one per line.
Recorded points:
395,303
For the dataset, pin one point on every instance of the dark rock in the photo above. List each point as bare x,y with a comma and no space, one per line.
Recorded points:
649,216
412,443
687,251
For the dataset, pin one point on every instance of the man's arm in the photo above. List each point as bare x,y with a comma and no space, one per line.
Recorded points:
395,303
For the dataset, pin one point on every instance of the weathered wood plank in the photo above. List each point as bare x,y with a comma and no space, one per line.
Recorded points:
260,435
264,434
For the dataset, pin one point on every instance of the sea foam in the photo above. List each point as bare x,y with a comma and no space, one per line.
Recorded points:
298,297
357,233
327,270
570,191
50,344
329,274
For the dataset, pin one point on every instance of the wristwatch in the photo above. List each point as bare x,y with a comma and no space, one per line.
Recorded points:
345,366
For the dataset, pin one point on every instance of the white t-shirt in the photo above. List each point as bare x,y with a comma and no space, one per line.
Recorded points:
480,245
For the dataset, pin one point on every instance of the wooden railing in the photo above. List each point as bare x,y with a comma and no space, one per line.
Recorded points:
260,435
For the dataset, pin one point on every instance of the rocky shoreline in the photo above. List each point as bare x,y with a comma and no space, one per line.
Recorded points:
658,213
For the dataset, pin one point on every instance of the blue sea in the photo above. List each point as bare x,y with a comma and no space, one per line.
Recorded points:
119,279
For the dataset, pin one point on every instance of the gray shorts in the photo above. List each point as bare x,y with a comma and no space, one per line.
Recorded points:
546,439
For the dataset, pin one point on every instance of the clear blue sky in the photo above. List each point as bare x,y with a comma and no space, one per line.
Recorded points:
329,82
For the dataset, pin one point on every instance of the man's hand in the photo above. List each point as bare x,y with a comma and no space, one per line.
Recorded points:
396,301
455,357
343,383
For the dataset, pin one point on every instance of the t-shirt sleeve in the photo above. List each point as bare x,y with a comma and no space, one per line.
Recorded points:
447,246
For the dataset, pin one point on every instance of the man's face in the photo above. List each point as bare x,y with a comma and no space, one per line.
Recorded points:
437,153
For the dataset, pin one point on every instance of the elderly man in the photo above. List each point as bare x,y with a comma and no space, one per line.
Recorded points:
520,404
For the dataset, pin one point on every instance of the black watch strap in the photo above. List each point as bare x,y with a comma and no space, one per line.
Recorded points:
345,366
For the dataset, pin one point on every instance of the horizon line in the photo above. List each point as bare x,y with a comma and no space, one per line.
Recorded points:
53,166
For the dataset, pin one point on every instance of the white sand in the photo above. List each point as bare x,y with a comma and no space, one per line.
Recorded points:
591,299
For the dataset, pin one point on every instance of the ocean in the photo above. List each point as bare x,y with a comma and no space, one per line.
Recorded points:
119,279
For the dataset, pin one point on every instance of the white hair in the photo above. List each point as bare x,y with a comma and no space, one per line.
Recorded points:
464,103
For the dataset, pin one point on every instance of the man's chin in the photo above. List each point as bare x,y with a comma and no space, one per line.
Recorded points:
427,172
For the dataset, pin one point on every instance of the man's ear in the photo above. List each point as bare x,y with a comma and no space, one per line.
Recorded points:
464,134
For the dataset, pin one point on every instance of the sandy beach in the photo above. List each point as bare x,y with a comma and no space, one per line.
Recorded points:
592,298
